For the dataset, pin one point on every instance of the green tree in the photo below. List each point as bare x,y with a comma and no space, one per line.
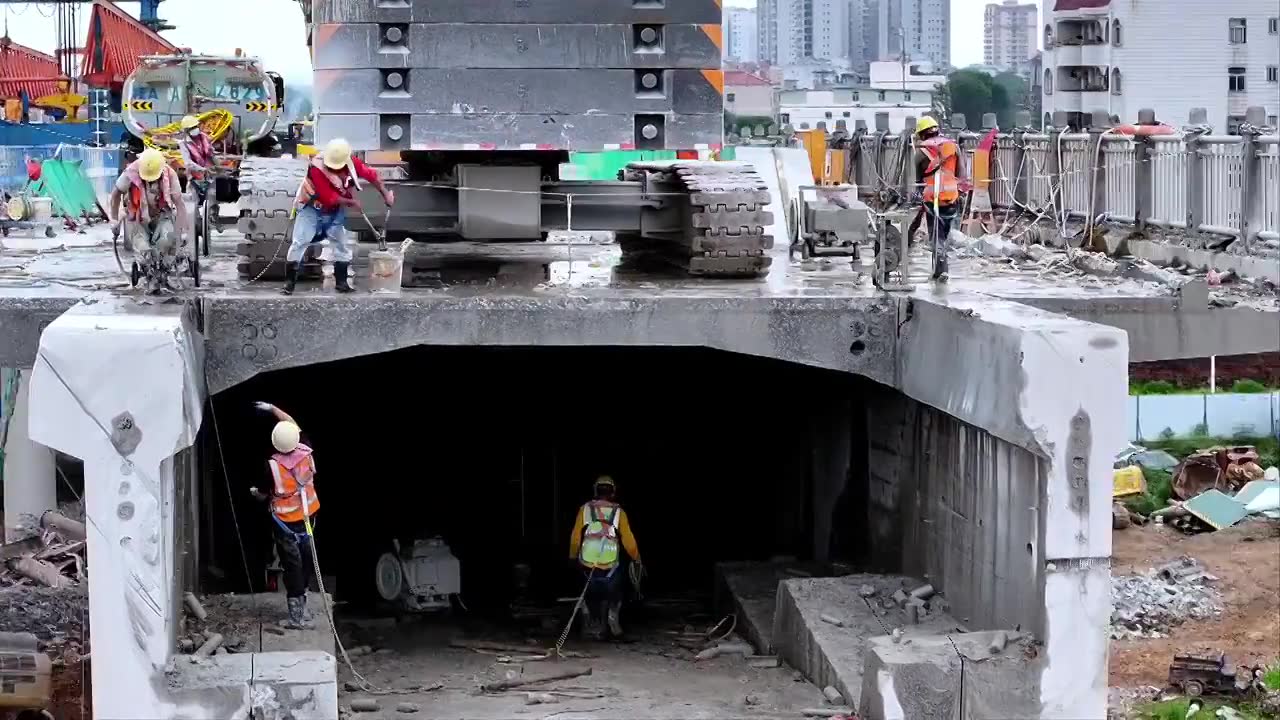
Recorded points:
974,93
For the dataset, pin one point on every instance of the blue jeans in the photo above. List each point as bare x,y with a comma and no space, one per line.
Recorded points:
604,588
311,225
939,232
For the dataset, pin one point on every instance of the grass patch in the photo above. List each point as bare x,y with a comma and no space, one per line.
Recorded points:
1177,710
1159,490
1165,387
1268,447
1271,678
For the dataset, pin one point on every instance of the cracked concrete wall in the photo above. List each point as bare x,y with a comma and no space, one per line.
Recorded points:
247,337
1056,388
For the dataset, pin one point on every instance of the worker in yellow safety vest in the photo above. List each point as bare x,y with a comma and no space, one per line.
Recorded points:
938,173
293,509
601,525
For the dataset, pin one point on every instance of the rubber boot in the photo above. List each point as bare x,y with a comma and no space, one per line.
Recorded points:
615,625
297,614
290,278
340,277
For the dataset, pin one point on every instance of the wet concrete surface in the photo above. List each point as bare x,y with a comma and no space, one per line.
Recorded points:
577,290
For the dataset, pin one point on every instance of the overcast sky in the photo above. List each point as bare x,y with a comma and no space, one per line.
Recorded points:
273,31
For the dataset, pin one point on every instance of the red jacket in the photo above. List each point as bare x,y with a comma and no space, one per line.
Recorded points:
325,194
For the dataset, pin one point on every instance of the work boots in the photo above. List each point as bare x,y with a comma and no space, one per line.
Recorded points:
340,277
290,278
297,614
615,625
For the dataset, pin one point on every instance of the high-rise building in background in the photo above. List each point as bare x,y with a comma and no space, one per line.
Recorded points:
922,27
1009,35
799,31
741,35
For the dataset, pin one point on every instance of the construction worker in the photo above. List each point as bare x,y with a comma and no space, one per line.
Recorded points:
197,155
293,508
156,213
938,170
593,545
326,193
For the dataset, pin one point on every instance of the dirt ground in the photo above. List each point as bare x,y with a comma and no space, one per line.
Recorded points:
1245,558
649,678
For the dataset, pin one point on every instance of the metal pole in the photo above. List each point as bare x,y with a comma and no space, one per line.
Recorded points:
1213,374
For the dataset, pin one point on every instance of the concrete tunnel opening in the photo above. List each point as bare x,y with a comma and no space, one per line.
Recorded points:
498,460
796,475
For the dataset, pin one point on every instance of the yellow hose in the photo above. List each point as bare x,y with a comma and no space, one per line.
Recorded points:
214,123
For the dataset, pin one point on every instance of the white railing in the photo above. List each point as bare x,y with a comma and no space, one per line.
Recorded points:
1220,184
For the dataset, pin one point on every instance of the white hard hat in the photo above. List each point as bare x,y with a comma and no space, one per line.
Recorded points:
285,436
337,153
190,121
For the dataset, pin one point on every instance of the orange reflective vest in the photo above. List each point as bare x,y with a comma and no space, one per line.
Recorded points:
295,494
941,176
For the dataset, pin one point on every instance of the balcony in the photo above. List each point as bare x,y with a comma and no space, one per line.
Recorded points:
1081,42
1082,78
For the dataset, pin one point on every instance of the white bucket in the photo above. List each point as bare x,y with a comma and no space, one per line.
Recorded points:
41,208
386,271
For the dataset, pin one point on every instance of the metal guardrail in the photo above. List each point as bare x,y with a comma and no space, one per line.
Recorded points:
1220,184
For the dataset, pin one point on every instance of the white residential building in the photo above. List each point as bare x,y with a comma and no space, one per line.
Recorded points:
804,109
921,27
798,31
1121,56
889,75
1009,32
741,35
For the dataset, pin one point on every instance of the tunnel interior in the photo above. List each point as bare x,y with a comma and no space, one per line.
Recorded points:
495,449
718,457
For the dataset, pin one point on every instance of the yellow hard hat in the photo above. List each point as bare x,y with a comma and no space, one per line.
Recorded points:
605,480
925,123
285,436
190,121
150,164
337,153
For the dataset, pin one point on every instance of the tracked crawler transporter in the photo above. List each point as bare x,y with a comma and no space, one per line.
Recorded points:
478,102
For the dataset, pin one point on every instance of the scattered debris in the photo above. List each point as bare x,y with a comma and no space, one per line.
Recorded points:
831,620
764,661
751,700
725,648
1150,604
210,645
407,708
832,695
501,685
193,605
826,712
536,698
363,705
1216,509
866,591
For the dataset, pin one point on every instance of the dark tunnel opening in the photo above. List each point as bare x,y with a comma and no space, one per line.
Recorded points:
495,449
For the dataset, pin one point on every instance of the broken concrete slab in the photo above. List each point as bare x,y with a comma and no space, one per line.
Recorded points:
243,615
922,677
833,656
271,686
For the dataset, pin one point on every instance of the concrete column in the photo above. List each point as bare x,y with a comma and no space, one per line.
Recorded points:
907,182
1142,174
30,479
1020,187
1053,168
831,453
1194,178
1251,176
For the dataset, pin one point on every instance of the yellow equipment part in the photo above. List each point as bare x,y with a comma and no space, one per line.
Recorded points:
214,123
1128,481
70,103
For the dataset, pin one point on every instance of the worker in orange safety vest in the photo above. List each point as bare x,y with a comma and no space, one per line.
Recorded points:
601,525
293,509
938,172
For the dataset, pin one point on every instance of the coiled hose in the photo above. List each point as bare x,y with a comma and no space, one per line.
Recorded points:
214,123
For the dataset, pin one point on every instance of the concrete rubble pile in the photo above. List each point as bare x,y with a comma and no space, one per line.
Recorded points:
52,558
1152,603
